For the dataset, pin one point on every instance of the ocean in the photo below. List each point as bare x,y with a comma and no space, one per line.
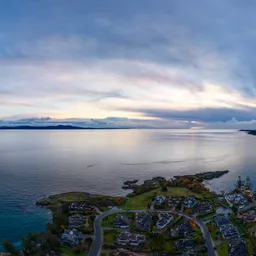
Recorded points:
34,164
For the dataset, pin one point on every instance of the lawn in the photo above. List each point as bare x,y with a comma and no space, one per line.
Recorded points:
141,202
214,231
169,247
222,249
110,236
162,243
70,253
108,222
250,246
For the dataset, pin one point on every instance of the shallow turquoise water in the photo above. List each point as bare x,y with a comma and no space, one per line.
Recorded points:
34,164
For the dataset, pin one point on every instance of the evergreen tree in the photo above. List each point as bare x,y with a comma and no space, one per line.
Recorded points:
248,183
10,248
239,183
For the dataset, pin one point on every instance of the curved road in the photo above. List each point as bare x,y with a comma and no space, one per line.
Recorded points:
98,232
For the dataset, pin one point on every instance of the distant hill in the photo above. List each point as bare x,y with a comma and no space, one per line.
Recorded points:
52,127
252,132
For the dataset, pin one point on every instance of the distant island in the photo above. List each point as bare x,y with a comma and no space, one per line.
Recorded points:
54,127
251,132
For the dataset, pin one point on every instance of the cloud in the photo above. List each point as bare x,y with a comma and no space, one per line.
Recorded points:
174,61
205,115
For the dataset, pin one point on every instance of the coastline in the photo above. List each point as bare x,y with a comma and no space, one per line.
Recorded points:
122,193
144,199
54,202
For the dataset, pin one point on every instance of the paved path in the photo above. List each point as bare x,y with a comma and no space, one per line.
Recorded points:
98,231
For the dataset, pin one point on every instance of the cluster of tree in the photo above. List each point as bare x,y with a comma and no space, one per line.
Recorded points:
34,244
247,183
38,244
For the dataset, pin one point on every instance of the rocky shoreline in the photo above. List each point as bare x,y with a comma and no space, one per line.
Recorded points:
205,175
58,202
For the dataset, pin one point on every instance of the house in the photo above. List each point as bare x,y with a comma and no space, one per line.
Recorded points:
221,220
71,237
182,230
164,219
188,254
143,221
121,221
204,207
249,218
237,199
80,206
190,202
238,248
52,253
160,200
229,231
76,221
186,244
130,239
128,253
174,200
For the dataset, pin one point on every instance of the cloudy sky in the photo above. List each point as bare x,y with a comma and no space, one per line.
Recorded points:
166,63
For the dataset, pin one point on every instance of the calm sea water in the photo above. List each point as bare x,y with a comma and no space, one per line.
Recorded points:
39,163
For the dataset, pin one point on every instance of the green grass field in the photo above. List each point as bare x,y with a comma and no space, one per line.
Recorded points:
222,249
110,236
70,253
141,202
109,221
250,246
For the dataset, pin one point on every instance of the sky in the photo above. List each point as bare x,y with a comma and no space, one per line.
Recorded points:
136,63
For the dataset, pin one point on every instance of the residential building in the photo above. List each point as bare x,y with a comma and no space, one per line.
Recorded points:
160,200
186,244
221,220
121,221
130,239
238,248
144,221
190,202
237,199
71,237
173,200
128,253
76,221
249,218
183,229
204,207
229,231
164,219
80,206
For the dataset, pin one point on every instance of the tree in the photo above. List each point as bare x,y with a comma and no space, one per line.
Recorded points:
54,229
29,245
60,219
48,241
10,248
164,189
239,183
248,183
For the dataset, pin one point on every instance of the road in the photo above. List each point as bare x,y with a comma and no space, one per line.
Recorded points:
98,232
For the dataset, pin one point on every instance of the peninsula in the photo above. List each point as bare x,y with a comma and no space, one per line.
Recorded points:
251,132
178,216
